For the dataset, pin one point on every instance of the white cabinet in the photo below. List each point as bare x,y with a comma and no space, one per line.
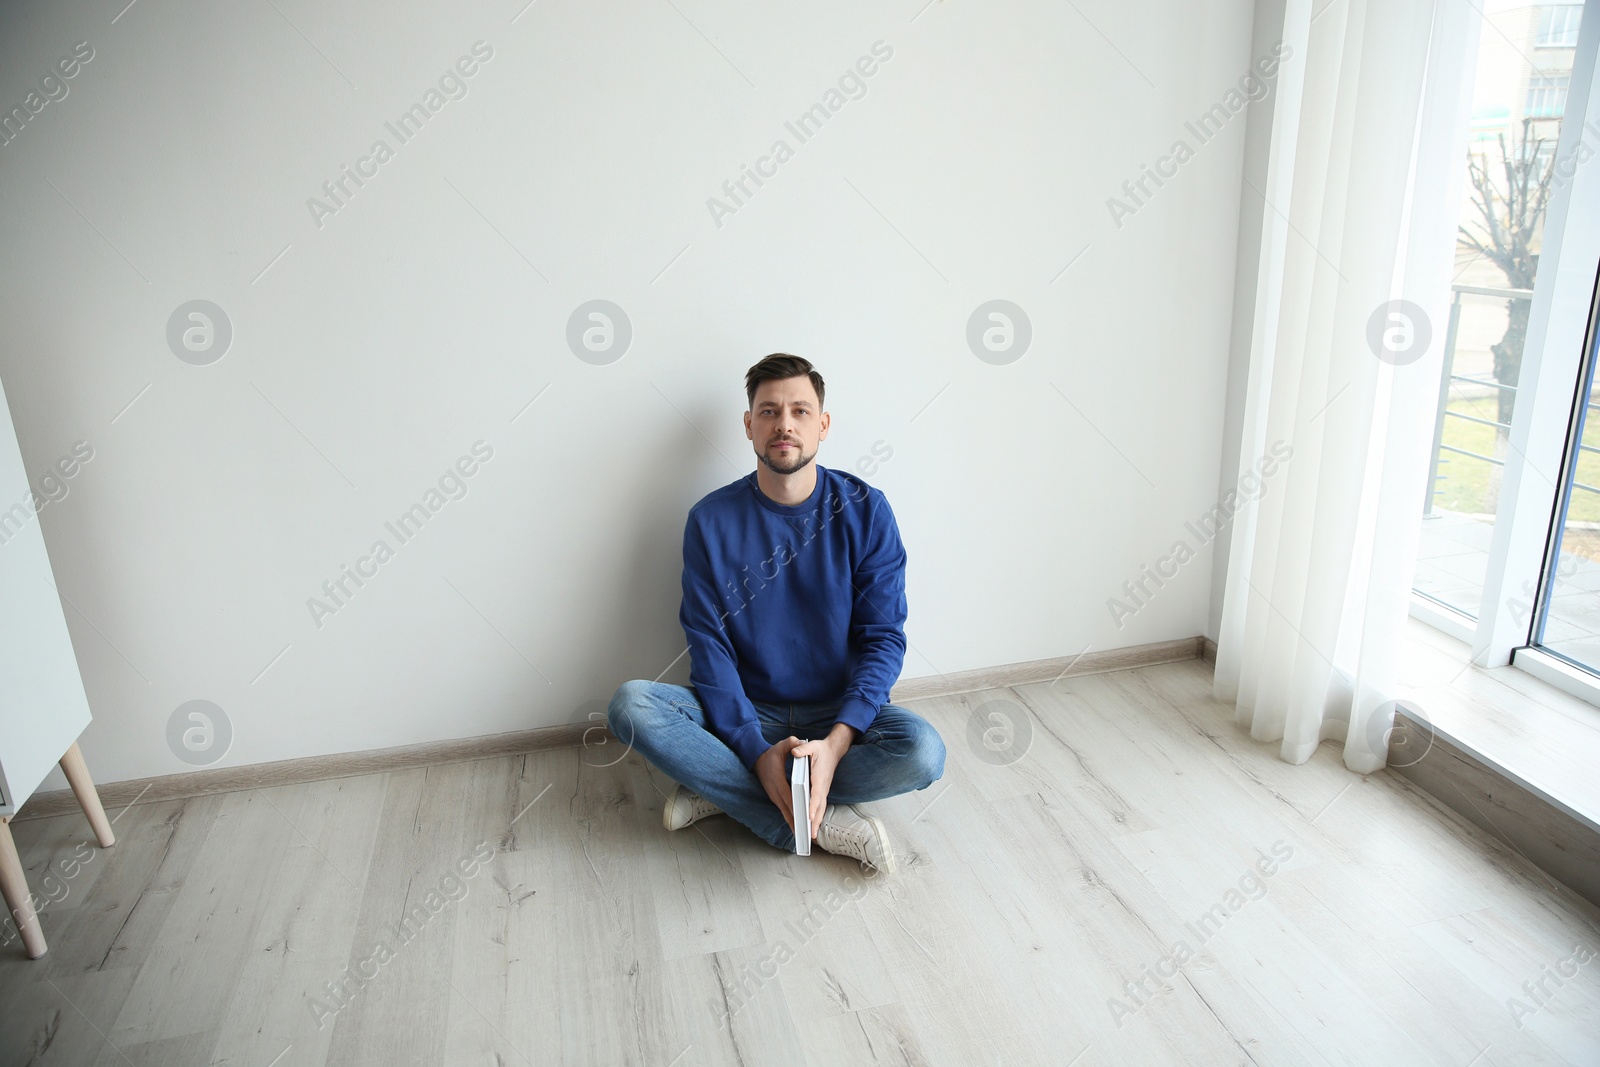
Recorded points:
43,707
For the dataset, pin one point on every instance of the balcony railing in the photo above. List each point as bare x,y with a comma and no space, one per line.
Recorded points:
1447,379
1446,385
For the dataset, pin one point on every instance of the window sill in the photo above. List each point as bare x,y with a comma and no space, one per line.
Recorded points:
1539,736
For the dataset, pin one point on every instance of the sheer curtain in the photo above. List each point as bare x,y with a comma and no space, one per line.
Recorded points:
1319,566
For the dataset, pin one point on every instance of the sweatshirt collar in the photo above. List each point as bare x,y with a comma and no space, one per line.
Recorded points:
809,504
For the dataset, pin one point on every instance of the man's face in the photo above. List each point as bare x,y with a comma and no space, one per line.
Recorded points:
785,425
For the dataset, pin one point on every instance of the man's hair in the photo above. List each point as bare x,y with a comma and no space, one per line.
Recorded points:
778,366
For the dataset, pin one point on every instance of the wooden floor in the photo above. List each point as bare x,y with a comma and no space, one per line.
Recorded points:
1048,911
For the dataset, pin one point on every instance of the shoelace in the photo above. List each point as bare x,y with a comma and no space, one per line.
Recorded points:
852,838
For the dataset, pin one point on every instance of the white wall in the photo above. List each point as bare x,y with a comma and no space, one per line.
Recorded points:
376,349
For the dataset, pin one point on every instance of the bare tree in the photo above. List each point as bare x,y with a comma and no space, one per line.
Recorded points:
1511,196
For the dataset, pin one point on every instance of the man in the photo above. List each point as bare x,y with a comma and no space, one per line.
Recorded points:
794,608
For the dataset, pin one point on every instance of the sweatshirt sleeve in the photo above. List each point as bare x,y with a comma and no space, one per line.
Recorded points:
877,620
713,664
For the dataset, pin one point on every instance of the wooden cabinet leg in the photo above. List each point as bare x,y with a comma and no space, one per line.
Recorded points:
14,887
77,773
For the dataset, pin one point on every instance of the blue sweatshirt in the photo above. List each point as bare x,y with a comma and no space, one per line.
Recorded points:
802,603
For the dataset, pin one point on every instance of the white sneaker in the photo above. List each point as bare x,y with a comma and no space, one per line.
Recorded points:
684,806
846,830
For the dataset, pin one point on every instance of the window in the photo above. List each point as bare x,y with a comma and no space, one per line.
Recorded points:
1509,553
1547,95
1569,617
1510,168
1558,26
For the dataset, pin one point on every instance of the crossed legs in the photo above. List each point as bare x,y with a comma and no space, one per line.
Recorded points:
900,752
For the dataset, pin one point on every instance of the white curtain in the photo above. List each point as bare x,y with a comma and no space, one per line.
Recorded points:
1371,110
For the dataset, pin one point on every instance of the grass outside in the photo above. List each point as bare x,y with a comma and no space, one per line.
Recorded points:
1463,484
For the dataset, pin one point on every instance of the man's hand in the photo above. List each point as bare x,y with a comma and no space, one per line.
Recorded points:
770,772
825,756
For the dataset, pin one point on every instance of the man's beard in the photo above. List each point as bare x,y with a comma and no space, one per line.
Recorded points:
779,467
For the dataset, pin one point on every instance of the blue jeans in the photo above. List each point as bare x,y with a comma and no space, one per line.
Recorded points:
898,753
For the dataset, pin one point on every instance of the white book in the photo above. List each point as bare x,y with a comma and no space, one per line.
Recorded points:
800,787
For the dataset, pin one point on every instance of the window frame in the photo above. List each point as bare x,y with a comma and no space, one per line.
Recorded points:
1555,350
1577,418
